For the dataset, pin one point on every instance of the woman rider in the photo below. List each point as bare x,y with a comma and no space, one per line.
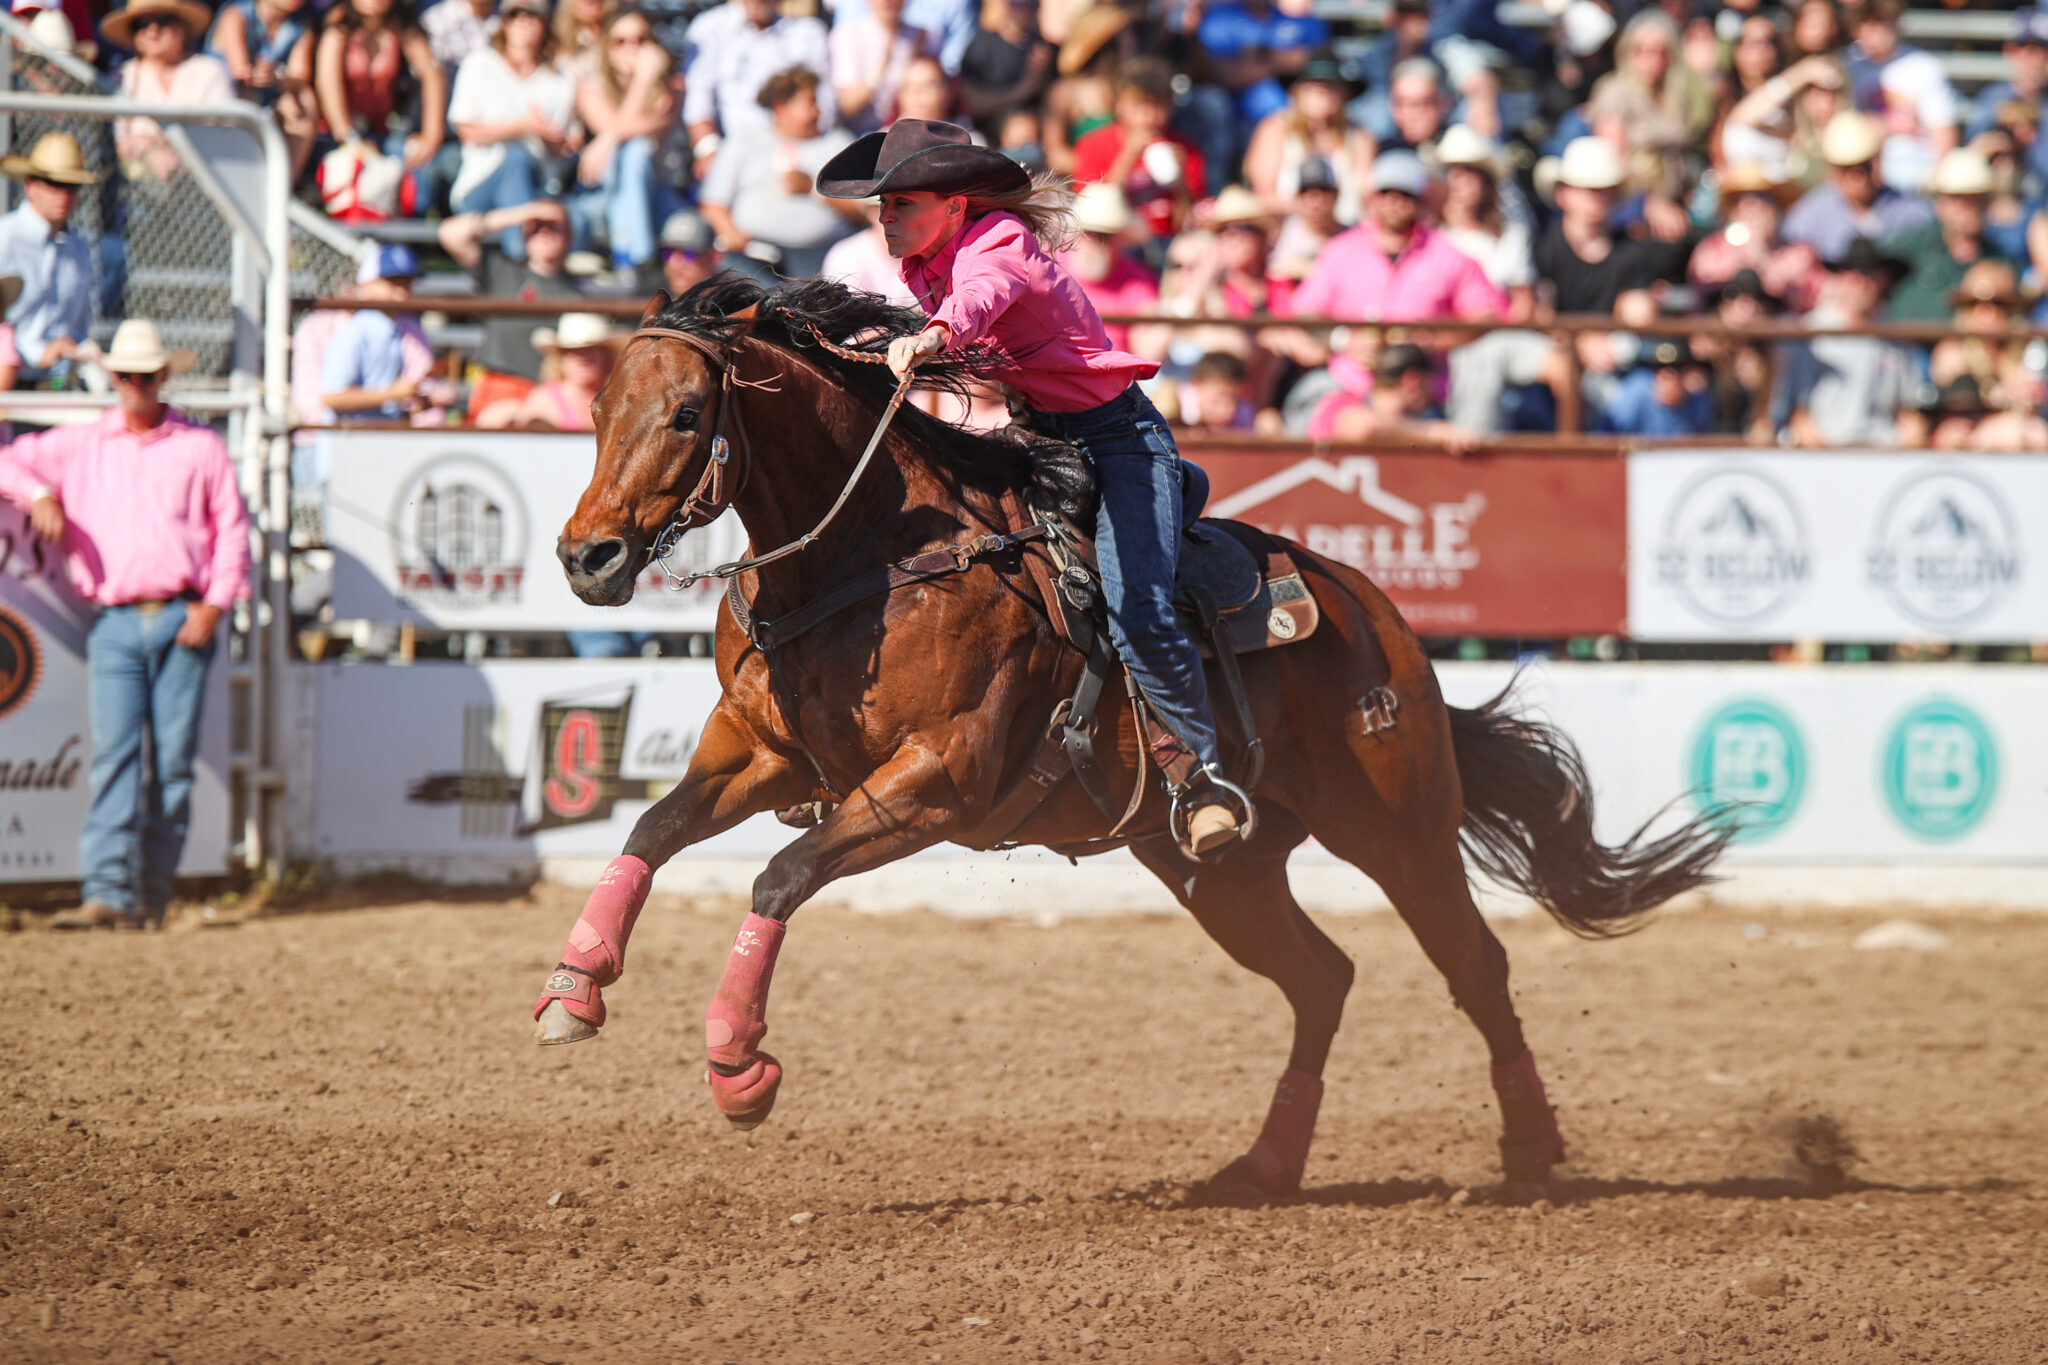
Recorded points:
973,231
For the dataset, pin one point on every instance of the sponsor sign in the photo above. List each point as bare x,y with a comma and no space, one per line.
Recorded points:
45,735
1749,765
1494,546
1737,545
477,771
457,530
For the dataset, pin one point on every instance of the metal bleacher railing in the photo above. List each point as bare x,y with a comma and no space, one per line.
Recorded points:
1435,335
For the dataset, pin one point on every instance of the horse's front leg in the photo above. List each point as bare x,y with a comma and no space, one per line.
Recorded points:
911,802
731,777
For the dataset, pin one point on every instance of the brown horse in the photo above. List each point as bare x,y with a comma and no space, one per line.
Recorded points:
915,711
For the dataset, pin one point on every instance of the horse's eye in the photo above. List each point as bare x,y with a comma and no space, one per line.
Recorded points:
684,420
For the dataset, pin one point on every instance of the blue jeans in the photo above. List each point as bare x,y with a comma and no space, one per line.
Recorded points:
139,678
516,181
626,202
607,644
1149,496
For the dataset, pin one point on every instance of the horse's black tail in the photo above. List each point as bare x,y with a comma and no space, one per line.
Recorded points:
1529,826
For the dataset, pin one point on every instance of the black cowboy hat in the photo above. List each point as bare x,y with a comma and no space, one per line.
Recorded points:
1747,284
1673,353
1962,396
1865,257
918,154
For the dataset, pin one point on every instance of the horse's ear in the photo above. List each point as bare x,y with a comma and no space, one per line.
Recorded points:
654,306
746,314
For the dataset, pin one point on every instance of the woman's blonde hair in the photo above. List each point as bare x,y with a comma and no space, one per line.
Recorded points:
1046,205
608,78
571,38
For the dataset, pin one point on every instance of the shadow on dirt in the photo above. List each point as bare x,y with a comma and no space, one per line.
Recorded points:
1385,1194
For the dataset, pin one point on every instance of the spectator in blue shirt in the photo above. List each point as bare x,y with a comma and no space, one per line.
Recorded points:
2026,58
54,311
1254,46
1665,397
364,373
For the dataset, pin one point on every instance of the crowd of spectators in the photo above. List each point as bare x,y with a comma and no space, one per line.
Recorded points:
1235,159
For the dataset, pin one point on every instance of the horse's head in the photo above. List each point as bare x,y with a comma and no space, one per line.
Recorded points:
658,428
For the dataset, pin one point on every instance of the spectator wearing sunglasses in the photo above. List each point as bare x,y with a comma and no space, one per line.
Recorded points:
689,252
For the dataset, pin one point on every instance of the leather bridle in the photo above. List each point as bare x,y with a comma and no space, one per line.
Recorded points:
710,498
714,491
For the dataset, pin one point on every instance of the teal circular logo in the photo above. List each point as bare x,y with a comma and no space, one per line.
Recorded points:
1940,770
1749,767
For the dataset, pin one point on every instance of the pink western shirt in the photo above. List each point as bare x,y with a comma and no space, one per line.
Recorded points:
1353,279
150,516
1060,357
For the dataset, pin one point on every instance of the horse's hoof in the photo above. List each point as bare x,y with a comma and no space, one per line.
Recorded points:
1529,1163
747,1097
557,1025
1250,1174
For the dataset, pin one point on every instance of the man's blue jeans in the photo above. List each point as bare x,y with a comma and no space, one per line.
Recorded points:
1149,496
139,677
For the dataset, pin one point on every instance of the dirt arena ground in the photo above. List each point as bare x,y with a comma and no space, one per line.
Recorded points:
326,1137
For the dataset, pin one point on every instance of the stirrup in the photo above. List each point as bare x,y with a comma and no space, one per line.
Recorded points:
1177,814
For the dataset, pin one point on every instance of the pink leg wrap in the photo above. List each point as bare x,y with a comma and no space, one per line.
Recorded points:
737,1021
1530,1142
597,945
1281,1153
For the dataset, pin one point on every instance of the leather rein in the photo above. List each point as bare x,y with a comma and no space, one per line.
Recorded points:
713,495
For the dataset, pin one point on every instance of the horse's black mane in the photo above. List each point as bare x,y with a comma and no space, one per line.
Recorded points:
798,313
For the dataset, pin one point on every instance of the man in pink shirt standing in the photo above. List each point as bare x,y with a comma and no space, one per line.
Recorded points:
144,505
1394,267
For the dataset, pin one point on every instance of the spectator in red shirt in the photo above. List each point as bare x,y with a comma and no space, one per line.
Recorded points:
1160,172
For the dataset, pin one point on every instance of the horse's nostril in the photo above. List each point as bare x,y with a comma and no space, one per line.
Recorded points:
595,558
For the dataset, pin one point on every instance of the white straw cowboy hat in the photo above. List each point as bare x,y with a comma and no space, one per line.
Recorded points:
119,27
1101,207
1236,204
1460,146
1851,138
1961,170
56,158
578,332
53,31
1590,163
138,348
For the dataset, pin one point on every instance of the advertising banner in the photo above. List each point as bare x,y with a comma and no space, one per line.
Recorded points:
469,771
1865,765
45,737
511,760
1496,545
457,530
1741,545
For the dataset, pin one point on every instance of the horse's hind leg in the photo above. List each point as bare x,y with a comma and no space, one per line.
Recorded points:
1425,879
1245,904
